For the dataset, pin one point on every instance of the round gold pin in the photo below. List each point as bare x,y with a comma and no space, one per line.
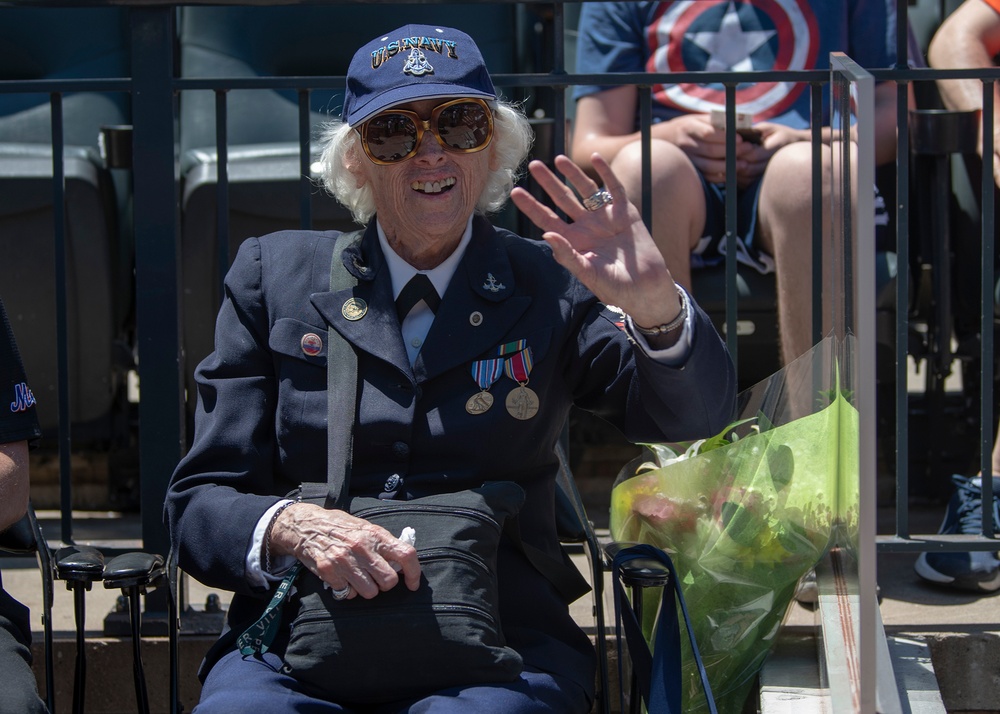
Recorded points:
354,309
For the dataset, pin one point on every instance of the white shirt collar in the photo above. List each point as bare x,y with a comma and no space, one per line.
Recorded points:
400,271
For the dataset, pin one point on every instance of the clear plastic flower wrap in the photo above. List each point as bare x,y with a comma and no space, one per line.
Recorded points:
744,515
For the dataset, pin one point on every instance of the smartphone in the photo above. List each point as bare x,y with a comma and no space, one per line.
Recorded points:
743,128
752,135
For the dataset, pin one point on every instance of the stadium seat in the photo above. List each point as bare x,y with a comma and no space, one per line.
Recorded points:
47,43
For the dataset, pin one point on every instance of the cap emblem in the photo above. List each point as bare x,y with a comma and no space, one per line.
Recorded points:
417,64
414,44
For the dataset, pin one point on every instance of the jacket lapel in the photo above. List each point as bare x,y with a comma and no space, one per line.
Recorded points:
365,315
479,308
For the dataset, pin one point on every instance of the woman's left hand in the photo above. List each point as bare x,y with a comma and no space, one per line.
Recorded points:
609,248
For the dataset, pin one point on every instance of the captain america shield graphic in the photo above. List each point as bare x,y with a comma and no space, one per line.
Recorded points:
727,35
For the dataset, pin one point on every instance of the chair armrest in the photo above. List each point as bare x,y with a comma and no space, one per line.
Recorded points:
79,563
133,569
639,572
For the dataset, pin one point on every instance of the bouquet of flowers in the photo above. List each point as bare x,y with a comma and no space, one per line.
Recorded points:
744,516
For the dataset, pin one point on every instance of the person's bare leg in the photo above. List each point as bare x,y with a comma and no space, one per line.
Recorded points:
785,223
678,201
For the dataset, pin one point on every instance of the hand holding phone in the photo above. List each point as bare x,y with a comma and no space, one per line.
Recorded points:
744,126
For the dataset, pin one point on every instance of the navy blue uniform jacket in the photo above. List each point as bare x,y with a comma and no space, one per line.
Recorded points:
260,426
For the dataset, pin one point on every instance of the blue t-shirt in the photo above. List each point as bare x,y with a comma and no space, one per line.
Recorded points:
736,35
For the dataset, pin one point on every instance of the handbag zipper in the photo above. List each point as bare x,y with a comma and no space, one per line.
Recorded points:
445,608
442,553
366,513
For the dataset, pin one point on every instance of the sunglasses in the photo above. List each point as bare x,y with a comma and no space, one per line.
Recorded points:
463,126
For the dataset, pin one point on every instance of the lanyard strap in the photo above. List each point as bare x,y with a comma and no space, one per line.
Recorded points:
259,636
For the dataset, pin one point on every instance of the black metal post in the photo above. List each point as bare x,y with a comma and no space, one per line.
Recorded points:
161,413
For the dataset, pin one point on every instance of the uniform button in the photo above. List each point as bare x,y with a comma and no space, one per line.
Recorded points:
392,483
401,449
416,342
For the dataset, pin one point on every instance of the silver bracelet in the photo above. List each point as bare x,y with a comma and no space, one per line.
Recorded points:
669,326
267,534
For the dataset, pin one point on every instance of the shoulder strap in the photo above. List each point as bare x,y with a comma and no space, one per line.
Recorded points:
342,383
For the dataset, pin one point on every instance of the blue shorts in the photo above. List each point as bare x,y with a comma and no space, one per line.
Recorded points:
711,248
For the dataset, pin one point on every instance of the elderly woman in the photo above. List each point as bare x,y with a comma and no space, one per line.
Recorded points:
462,381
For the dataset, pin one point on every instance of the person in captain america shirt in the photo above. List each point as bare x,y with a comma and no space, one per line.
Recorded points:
773,163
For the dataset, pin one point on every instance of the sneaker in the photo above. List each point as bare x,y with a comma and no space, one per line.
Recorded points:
806,590
978,571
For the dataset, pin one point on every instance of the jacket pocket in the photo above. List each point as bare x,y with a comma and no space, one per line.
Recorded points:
300,340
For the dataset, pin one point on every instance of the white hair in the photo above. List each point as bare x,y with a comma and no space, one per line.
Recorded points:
341,146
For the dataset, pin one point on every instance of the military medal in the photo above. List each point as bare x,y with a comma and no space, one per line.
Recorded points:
485,372
521,403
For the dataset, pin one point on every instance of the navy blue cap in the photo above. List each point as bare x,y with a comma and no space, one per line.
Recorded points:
411,63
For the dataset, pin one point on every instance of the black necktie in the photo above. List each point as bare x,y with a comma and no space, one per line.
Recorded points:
419,288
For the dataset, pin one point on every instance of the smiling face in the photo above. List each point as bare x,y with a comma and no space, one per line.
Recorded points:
424,202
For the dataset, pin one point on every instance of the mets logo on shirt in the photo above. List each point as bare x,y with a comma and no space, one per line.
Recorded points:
23,398
732,35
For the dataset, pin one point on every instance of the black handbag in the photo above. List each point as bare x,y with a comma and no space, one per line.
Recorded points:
403,643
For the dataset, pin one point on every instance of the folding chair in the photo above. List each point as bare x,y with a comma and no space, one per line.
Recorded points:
637,574
80,567
573,526
134,573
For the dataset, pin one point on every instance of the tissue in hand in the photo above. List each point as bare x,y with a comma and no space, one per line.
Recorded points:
408,536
